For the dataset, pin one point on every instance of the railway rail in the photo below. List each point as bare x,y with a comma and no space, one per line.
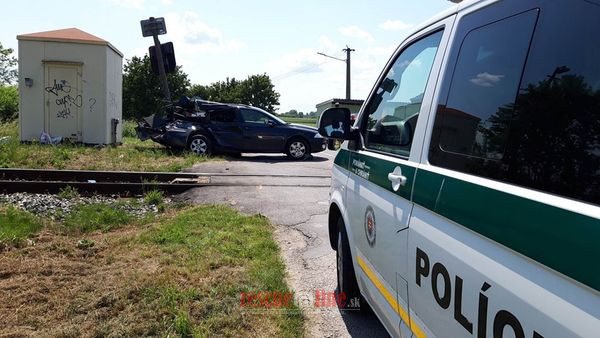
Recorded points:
128,183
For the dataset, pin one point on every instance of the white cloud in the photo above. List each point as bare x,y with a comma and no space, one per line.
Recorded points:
327,43
356,32
486,79
384,51
192,36
137,4
299,62
167,2
395,25
139,51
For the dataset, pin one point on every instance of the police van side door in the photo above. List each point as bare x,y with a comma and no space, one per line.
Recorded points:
501,243
382,173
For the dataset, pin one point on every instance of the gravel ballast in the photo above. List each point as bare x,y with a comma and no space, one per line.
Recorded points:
57,208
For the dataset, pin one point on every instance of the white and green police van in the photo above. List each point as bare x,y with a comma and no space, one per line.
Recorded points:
465,200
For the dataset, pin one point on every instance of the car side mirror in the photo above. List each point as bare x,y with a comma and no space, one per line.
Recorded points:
270,123
335,123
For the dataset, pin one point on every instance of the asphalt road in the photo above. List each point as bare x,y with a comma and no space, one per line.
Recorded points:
299,211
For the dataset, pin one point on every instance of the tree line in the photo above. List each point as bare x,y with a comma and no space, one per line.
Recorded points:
295,113
142,95
9,94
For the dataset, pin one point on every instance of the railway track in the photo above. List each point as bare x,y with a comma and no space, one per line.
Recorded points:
128,183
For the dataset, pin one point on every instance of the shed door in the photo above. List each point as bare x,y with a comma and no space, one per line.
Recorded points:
63,99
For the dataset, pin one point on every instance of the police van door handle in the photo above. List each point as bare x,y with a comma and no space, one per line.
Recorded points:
398,180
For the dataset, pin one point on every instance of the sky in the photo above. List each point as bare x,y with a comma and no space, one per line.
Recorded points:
214,40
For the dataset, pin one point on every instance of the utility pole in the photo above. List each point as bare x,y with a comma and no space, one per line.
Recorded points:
162,75
348,50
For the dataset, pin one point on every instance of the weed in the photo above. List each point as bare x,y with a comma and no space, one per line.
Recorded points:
154,197
16,226
85,244
97,216
68,193
110,259
182,324
129,129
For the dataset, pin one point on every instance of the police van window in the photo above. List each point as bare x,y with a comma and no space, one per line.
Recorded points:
393,110
545,135
222,115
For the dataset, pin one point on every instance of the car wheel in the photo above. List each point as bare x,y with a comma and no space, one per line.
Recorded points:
297,149
346,278
200,145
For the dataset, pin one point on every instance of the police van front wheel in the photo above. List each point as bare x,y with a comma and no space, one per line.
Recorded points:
347,284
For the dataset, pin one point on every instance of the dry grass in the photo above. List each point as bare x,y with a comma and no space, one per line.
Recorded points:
132,155
179,276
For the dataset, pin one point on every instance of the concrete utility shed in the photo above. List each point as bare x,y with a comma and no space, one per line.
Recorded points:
70,85
353,105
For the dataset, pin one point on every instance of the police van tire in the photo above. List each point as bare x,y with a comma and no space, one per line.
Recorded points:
346,278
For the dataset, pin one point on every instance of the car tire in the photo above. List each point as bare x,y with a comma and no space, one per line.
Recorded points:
346,278
297,149
200,145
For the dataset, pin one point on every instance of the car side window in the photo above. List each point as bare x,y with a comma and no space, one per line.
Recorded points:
525,108
253,116
222,116
391,115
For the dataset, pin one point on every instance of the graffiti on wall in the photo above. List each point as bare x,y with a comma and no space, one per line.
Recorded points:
112,102
92,102
65,101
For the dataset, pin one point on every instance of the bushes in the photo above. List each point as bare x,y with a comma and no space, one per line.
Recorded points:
9,103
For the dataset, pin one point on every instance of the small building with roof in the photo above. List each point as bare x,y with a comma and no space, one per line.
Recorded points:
70,85
353,105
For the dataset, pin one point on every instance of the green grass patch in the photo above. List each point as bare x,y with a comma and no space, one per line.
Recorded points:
98,216
154,197
232,254
307,121
132,154
16,226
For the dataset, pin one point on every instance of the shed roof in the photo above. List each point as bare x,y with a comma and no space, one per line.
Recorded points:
69,35
341,101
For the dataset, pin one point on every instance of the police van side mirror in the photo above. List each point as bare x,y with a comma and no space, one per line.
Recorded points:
334,123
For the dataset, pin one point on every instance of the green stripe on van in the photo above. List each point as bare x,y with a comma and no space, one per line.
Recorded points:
565,241
342,158
378,171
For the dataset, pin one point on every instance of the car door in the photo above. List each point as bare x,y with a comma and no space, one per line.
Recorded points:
226,128
382,173
261,133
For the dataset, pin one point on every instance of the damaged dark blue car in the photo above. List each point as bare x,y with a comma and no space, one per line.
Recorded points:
205,127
